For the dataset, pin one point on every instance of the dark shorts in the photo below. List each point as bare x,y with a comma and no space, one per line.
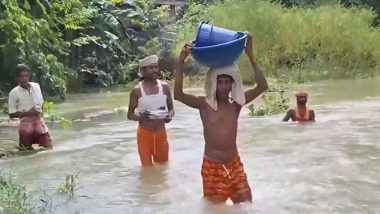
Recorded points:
34,131
27,140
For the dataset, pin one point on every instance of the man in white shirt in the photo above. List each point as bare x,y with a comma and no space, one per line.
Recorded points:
25,102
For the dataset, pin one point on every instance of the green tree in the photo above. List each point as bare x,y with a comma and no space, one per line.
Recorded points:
100,40
33,33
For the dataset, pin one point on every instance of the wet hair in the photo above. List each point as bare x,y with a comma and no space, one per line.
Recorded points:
20,68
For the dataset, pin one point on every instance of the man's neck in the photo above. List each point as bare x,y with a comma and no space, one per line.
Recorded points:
150,81
224,101
26,86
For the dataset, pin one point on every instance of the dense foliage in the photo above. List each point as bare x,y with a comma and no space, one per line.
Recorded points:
78,42
96,43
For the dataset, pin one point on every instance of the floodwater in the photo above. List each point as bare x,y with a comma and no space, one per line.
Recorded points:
330,166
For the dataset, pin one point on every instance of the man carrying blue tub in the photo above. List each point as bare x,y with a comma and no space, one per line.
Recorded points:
222,170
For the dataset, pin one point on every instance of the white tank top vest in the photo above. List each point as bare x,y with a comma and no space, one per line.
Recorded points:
152,102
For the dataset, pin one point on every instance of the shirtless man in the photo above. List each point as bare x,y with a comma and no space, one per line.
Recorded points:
222,170
25,102
301,113
151,94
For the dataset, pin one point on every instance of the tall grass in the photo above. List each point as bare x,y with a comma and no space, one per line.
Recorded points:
13,197
298,43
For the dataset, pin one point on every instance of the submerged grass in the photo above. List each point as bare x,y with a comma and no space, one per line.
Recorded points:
14,198
70,185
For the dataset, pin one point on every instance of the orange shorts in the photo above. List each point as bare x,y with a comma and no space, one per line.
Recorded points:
153,147
225,180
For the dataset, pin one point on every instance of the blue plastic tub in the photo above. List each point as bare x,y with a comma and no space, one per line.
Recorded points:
219,55
209,35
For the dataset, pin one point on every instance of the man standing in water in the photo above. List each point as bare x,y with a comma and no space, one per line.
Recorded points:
149,96
25,102
222,170
301,112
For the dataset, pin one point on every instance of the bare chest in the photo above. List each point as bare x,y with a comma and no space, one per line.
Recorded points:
224,117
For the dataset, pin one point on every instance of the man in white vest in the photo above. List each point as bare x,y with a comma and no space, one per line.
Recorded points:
25,102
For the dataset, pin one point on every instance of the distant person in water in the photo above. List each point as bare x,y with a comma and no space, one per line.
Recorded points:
301,112
25,102
222,169
149,96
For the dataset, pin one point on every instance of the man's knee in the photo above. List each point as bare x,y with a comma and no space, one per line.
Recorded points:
242,197
25,141
216,199
45,141
25,146
161,157
145,158
162,153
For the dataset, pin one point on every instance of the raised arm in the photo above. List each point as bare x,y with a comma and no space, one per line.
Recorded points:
188,99
261,82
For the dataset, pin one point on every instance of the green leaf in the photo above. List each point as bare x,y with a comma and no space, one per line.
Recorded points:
111,35
84,40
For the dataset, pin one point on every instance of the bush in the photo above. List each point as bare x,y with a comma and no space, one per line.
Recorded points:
13,197
274,100
321,42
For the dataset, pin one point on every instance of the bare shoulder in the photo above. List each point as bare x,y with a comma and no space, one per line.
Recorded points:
165,86
237,105
135,90
202,102
290,112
